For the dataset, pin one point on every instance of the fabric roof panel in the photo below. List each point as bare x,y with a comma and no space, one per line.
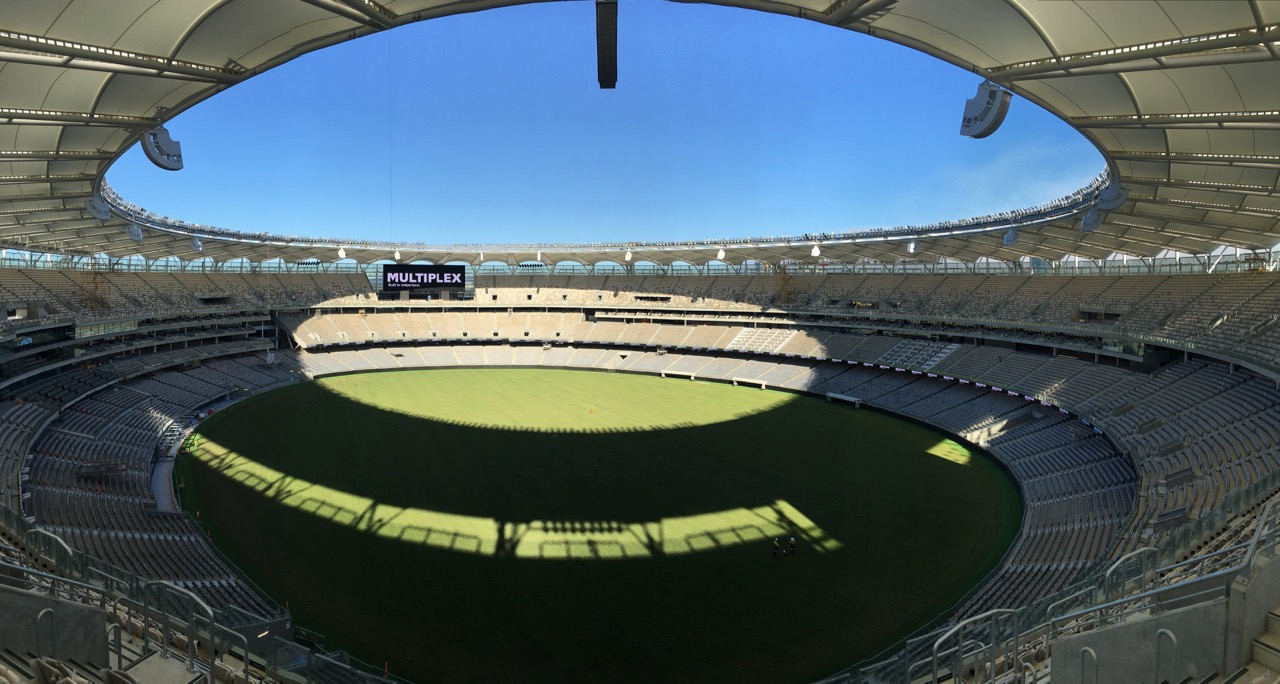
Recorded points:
1259,85
1206,141
971,24
1206,16
34,17
1071,29
1242,175
1261,203
1135,139
1145,169
25,86
321,31
163,25
1208,88
72,166
939,36
1270,12
23,168
83,137
38,137
1131,23
1097,95
1258,222
1157,93
73,90
83,21
240,28
141,95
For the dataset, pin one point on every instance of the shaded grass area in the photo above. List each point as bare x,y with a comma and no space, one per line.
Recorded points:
917,530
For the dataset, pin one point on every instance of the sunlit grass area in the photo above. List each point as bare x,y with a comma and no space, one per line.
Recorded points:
639,545
520,399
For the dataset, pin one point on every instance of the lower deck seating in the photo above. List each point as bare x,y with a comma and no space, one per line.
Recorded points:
90,476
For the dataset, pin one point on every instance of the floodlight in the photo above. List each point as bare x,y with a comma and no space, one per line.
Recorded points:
539,257
197,245
627,256
342,252
1113,195
1010,238
162,150
1091,220
134,232
98,208
720,255
911,247
396,255
815,251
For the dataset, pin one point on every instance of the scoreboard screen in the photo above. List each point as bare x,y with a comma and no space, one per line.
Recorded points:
423,277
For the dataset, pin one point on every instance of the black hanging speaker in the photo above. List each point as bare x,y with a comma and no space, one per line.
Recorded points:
607,43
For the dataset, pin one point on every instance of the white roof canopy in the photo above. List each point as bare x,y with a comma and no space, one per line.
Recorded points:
1181,96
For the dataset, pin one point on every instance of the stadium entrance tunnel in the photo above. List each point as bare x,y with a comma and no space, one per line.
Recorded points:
538,539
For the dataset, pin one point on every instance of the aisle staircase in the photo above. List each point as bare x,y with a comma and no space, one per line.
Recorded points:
1265,668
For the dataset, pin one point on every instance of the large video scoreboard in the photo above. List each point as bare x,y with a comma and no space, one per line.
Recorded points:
423,277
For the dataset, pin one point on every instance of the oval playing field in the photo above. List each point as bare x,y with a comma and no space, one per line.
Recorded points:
558,525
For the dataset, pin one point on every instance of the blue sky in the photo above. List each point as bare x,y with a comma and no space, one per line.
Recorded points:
490,128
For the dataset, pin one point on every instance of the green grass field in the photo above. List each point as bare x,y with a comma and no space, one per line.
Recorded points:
556,525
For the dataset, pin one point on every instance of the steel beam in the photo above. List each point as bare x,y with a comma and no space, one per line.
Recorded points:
114,59
1188,45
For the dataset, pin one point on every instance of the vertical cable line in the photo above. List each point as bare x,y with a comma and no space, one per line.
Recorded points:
391,169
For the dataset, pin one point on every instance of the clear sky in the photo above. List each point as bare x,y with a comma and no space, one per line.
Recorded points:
490,128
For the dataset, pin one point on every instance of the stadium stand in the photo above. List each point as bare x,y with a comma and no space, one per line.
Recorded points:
1118,442
1121,358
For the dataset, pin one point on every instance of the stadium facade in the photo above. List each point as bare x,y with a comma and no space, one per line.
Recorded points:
1115,349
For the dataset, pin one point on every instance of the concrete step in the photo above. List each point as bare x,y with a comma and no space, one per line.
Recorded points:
1266,651
1273,620
1253,673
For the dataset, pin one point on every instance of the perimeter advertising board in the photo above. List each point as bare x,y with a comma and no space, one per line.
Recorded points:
423,277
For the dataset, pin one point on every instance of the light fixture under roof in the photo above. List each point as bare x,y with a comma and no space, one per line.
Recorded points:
396,255
912,247
98,208
986,111
1090,221
1011,238
815,251
197,245
134,232
720,254
627,256
342,252
539,257
162,150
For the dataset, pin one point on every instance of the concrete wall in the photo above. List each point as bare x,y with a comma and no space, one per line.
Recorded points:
71,631
1251,598
1127,652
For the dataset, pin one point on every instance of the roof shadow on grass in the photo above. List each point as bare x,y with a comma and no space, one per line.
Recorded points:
528,539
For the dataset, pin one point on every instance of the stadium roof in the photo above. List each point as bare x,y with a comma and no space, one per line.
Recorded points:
1181,96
